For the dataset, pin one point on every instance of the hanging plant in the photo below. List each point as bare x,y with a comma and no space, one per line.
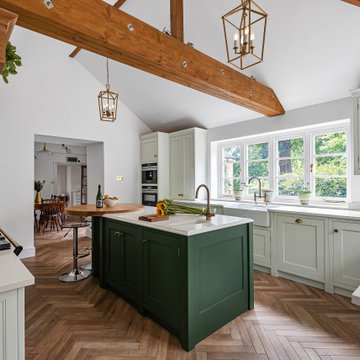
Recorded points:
12,61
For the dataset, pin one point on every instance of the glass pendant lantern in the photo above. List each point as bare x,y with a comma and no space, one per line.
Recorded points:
108,101
245,30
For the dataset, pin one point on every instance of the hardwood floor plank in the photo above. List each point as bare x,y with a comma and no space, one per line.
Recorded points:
82,321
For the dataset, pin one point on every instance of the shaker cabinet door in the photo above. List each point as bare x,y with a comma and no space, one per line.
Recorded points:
162,269
122,265
301,246
149,150
346,253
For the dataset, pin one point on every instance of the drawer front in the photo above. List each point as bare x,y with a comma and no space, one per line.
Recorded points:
262,247
301,246
346,253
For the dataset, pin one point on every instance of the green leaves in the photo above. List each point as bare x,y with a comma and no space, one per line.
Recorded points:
12,61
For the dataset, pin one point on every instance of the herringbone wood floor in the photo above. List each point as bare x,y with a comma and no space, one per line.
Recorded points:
82,321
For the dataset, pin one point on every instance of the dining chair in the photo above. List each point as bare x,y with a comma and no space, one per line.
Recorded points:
50,215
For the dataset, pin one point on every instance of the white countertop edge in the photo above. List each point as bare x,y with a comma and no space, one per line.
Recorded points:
13,273
167,228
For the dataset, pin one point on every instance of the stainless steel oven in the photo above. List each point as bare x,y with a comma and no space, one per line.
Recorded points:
149,195
149,173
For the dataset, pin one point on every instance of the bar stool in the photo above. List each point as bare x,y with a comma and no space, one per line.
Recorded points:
76,274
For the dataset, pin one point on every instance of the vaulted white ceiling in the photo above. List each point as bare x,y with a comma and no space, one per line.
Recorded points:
312,55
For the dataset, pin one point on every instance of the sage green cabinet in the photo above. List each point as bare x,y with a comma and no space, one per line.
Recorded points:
122,259
162,269
191,285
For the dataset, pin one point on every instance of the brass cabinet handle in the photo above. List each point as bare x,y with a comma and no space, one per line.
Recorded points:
118,233
336,230
144,241
155,156
299,221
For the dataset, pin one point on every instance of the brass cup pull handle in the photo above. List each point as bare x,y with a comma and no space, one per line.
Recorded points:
298,221
336,230
144,241
118,233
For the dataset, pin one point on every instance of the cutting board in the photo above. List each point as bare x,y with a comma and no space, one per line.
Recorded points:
153,218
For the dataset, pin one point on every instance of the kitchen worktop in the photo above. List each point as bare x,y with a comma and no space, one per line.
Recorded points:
290,209
185,225
13,273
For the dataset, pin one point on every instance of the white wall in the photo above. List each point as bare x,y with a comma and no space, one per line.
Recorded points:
312,115
61,180
46,165
95,170
59,98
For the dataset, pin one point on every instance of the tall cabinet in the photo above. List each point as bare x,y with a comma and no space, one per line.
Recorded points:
356,130
187,163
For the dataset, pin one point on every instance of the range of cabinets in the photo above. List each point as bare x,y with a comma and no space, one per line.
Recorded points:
320,251
186,161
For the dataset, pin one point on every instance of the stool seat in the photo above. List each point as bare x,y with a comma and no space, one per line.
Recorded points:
76,274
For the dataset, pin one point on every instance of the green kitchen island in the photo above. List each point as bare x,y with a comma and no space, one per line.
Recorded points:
190,275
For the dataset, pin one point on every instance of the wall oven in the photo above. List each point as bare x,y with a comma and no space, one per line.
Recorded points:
149,195
149,173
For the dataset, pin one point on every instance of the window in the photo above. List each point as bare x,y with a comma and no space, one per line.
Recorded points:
231,168
317,158
290,166
258,165
329,165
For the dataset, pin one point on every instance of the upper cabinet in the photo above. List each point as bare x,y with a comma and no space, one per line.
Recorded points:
356,131
187,162
149,149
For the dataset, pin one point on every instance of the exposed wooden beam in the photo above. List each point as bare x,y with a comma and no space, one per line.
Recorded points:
77,49
98,27
7,23
353,2
177,19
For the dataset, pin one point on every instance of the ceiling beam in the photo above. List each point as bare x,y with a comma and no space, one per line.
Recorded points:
177,19
98,27
77,49
7,23
353,2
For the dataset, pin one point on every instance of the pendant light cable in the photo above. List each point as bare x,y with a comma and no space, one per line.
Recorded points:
107,70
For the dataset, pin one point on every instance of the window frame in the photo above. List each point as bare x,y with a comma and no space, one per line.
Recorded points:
260,140
308,134
276,159
348,158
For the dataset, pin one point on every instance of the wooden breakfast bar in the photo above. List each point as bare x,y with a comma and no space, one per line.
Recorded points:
96,214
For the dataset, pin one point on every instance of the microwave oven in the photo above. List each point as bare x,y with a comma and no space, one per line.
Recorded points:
149,195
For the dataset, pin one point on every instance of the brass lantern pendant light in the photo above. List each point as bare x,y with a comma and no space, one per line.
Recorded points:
245,30
108,101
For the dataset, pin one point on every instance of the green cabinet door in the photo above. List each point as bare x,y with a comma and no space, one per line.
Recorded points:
162,275
123,259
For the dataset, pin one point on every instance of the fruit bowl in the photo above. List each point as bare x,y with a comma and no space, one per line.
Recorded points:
110,202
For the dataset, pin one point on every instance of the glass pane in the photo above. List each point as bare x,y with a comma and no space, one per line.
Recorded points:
236,185
231,170
232,154
291,167
258,151
290,186
330,187
334,143
228,187
291,148
254,186
260,168
330,165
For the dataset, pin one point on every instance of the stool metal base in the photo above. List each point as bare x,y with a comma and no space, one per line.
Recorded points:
86,266
75,275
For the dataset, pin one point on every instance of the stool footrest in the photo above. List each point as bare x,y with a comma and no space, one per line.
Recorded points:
82,255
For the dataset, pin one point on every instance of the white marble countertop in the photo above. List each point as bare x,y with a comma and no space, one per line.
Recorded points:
13,273
289,209
186,225
324,212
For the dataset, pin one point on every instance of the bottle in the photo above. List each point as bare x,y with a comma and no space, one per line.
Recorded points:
99,198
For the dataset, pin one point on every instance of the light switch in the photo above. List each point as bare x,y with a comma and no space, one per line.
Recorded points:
119,178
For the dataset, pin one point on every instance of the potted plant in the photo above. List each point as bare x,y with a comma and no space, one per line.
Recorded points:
237,190
12,61
38,185
304,196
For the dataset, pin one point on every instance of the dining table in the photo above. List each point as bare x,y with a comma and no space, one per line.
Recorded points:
96,229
